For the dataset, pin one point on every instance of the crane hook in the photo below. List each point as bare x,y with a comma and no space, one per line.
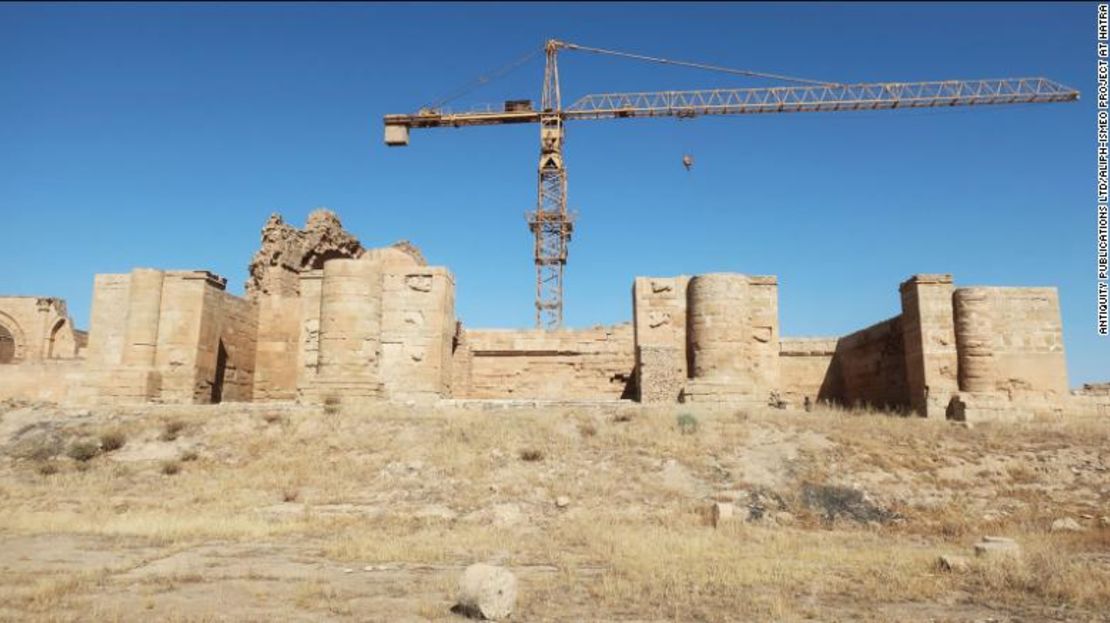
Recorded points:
687,161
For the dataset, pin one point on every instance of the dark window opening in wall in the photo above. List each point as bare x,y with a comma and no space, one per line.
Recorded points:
221,369
7,345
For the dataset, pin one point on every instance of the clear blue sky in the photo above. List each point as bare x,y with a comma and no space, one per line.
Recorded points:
164,135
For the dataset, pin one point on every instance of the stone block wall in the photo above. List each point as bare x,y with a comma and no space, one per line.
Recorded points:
36,328
567,364
659,327
418,329
277,347
930,342
1010,340
732,338
871,367
806,369
170,336
381,326
108,320
227,349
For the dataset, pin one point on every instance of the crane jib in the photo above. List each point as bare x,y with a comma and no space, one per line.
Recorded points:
552,224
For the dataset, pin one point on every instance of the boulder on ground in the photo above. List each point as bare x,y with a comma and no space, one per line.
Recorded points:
721,512
997,546
486,592
1066,524
955,564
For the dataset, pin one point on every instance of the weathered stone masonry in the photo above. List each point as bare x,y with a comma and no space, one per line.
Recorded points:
326,320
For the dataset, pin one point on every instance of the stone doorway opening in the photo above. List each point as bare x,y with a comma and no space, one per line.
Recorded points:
7,345
221,370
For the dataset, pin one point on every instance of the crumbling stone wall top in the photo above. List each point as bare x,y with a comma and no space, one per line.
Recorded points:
286,251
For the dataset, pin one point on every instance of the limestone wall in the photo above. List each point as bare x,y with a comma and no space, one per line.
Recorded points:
568,364
278,344
418,328
380,326
36,328
871,367
659,326
169,336
806,369
929,342
49,380
1010,340
349,358
732,337
227,348
108,319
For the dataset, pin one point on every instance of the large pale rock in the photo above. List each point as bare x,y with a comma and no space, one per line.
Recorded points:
1066,524
486,592
722,512
997,547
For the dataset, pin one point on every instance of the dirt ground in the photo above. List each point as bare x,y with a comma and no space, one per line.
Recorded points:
293,513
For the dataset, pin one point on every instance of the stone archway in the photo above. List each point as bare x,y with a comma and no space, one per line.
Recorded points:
53,347
7,345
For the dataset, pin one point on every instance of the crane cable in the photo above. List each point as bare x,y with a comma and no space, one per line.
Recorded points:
727,70
484,79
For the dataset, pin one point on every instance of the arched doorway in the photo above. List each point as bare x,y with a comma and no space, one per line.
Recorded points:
53,348
7,345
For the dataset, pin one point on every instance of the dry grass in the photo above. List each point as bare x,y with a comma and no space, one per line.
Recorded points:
171,430
113,440
356,490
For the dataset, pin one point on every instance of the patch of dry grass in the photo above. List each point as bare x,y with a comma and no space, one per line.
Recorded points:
630,544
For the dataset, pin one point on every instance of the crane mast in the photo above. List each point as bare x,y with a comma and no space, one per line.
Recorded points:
552,225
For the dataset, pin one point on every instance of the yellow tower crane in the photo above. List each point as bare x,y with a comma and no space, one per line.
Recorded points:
552,225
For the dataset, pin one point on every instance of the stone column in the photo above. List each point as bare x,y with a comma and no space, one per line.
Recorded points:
973,340
929,341
350,330
732,335
718,326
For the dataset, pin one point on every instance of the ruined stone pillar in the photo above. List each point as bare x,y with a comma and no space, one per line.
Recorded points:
930,343
144,309
659,329
973,339
350,330
732,336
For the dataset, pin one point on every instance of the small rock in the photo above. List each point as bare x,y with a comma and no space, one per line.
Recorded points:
784,518
1066,524
996,546
369,568
348,571
721,512
562,501
955,564
1104,522
486,592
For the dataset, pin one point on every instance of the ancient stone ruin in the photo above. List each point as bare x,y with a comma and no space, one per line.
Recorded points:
325,320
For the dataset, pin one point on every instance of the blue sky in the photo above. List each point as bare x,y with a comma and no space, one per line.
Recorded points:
164,135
